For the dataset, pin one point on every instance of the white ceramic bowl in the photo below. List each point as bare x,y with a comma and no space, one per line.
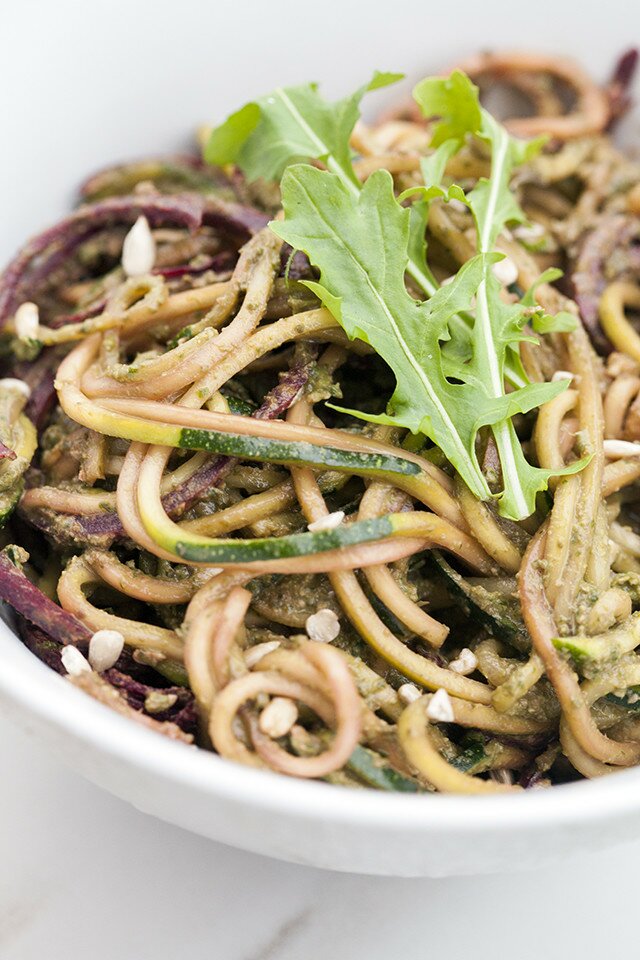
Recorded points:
96,82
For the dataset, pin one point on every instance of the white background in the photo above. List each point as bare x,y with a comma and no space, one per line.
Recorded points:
83,876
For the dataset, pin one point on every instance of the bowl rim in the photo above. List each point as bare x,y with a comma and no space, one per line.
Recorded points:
32,687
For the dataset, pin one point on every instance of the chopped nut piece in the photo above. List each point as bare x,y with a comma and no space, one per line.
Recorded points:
138,249
440,708
74,662
105,647
465,663
27,321
278,717
323,626
330,522
505,271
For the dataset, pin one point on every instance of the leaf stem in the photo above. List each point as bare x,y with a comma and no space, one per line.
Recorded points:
514,501
428,286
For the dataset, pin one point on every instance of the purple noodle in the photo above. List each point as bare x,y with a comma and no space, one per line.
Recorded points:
183,712
63,319
42,399
134,690
233,217
107,525
184,211
18,591
39,376
95,182
608,252
220,263
294,265
618,87
50,261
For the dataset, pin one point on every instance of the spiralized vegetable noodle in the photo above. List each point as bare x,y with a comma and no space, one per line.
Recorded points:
323,452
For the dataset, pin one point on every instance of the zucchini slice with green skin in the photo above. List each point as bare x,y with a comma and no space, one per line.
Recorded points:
245,446
472,755
194,548
499,613
590,654
303,454
229,552
372,768
630,700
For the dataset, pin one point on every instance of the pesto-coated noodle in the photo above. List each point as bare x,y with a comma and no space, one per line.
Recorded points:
220,461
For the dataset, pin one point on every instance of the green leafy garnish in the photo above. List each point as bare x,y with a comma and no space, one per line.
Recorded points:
453,352
297,123
562,322
498,326
292,123
360,245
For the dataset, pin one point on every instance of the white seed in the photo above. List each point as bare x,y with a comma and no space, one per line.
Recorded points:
330,522
105,647
620,448
138,249
408,692
505,271
74,662
323,626
254,654
529,233
12,383
278,717
563,375
465,663
26,321
440,707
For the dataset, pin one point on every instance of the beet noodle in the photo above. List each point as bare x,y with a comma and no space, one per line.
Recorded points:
297,589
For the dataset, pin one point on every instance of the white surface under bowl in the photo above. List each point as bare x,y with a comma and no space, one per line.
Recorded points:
85,84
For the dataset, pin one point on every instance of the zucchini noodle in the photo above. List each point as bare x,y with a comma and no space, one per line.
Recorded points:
299,589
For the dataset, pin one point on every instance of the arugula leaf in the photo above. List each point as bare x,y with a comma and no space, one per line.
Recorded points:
296,123
562,322
456,101
547,276
498,326
450,364
292,123
360,245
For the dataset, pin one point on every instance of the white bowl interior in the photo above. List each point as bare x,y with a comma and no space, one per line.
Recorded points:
91,84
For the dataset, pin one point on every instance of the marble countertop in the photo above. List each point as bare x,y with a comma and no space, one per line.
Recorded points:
83,875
